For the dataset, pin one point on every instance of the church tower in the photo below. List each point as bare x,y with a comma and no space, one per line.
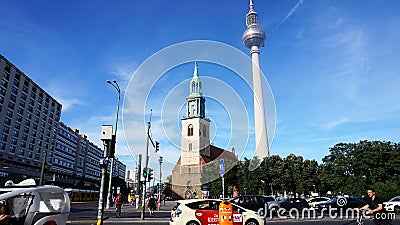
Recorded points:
195,139
196,150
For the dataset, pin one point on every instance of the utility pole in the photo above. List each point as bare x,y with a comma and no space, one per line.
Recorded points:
43,166
160,160
146,167
138,180
139,173
106,137
113,144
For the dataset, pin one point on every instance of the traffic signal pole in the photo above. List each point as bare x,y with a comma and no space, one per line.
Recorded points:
146,166
103,186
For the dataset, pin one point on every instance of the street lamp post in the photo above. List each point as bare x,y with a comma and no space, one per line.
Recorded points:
142,216
272,190
263,185
160,160
114,140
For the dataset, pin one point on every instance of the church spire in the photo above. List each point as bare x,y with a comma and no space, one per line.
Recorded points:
195,73
195,102
195,84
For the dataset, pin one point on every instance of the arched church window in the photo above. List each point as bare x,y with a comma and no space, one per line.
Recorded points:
190,130
193,86
204,131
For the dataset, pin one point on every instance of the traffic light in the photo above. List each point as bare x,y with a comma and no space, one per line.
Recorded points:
112,147
157,146
150,173
144,172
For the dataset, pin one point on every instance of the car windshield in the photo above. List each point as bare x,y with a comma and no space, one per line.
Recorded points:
395,199
332,200
269,199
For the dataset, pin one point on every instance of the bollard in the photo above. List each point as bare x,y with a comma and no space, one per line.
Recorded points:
225,213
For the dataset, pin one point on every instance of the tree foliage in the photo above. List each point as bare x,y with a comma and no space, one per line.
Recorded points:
349,168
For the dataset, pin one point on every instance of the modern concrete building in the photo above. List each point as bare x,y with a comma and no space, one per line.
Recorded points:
119,169
29,118
64,163
31,135
77,160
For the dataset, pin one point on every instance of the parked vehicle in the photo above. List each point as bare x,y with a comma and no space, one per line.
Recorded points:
393,204
293,203
273,204
206,211
341,202
35,205
252,202
316,200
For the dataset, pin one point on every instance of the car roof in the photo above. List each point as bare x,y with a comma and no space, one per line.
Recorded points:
196,200
12,191
185,201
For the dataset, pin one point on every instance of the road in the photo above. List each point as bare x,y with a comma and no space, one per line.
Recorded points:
86,213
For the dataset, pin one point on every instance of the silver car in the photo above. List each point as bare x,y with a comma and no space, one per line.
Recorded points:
35,205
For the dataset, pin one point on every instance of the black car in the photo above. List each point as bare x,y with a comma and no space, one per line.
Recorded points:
341,202
252,202
293,203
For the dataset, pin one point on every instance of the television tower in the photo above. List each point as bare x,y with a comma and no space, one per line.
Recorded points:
253,38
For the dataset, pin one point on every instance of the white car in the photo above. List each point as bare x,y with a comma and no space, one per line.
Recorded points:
36,205
206,212
393,204
316,200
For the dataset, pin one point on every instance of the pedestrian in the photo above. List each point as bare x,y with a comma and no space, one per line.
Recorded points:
151,204
118,203
133,200
375,204
4,213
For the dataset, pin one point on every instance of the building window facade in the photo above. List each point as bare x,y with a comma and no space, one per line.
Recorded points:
190,130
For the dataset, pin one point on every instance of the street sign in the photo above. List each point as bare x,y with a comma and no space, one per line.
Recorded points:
221,167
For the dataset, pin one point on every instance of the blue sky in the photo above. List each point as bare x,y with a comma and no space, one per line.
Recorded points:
333,67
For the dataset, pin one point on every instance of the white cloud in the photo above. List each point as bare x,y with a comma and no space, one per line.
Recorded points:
333,124
68,104
291,12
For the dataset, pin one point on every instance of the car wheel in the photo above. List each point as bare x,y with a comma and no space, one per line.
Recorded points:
397,209
251,222
274,211
192,223
261,212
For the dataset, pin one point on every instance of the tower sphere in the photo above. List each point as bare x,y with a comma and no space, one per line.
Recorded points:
253,36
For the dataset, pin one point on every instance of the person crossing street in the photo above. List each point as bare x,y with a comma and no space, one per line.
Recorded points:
119,200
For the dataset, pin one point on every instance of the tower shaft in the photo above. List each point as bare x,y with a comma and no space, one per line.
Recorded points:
260,128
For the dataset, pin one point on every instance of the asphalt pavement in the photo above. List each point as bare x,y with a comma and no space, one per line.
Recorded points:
86,213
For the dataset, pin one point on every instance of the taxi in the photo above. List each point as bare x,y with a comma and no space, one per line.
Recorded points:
206,212
28,204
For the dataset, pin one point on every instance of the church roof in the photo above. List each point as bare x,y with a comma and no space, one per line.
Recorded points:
219,153
216,154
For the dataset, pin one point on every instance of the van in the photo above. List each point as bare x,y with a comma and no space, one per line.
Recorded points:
35,205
